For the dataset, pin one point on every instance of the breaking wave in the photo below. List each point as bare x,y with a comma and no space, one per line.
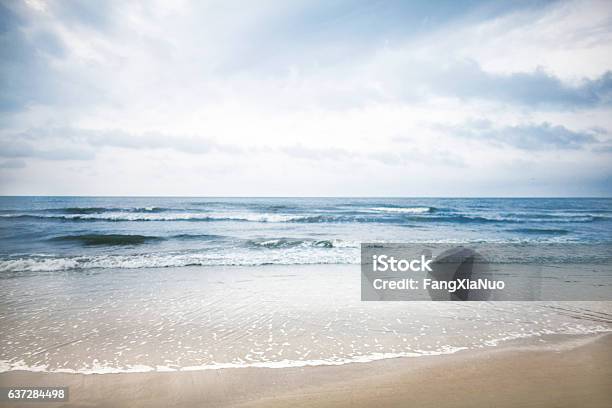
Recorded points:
541,231
280,256
404,210
291,243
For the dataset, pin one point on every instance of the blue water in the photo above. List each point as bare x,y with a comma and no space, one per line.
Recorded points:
60,233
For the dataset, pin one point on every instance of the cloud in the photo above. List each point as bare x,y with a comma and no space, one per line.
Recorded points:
12,164
530,137
303,152
55,54
82,144
606,148
24,149
467,80
80,55
191,87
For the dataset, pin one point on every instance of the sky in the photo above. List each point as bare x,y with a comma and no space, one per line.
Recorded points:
306,98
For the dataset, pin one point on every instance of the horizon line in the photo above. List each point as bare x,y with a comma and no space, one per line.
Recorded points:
284,197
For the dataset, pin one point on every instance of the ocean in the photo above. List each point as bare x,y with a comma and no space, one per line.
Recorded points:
60,233
108,284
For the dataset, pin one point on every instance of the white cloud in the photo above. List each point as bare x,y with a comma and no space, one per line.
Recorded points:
301,99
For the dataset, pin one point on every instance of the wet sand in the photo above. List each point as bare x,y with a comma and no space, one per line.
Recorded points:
576,371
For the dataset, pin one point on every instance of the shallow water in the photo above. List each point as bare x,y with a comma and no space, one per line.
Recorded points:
272,316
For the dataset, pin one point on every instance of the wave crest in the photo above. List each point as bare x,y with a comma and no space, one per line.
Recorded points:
404,210
315,256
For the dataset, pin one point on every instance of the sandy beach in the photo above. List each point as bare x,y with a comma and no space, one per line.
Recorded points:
569,372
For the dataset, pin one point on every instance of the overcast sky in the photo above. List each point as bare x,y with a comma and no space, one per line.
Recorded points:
306,98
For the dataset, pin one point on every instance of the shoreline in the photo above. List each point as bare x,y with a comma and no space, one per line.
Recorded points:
518,343
568,371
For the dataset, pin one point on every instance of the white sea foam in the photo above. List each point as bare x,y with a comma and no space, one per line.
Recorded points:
347,254
38,264
166,216
98,368
402,210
